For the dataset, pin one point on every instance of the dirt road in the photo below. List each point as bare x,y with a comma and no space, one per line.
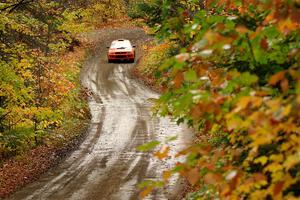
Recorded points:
106,165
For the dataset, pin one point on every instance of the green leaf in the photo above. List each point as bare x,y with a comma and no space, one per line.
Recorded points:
178,168
172,138
247,79
150,183
190,75
271,32
148,146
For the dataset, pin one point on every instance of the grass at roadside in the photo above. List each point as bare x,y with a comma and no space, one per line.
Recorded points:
154,54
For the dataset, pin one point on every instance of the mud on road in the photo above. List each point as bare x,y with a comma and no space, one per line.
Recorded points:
106,165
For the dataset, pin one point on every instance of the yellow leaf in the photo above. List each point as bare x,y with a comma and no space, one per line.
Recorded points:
295,139
287,25
285,146
273,167
276,157
289,127
256,101
166,175
274,104
286,110
259,179
258,194
243,103
277,176
262,160
263,135
234,123
145,192
292,160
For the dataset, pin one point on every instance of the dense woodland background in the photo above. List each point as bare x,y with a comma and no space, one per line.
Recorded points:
39,89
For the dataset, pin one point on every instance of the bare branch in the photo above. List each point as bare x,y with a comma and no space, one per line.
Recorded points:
14,6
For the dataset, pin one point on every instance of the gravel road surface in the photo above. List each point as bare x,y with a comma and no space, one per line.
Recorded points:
106,165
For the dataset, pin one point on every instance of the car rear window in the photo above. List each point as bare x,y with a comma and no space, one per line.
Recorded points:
120,44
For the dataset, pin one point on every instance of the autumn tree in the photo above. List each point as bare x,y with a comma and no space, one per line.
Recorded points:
35,87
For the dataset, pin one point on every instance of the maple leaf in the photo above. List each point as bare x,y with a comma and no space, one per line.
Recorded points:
213,178
193,176
264,44
277,77
284,84
163,153
277,189
146,192
178,79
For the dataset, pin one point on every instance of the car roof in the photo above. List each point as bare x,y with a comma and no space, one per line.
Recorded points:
121,43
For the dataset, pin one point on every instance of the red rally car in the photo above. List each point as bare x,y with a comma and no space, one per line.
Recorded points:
121,50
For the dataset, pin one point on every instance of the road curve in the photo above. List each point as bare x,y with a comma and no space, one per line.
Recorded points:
106,165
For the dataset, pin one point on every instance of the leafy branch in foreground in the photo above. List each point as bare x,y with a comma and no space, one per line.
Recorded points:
237,82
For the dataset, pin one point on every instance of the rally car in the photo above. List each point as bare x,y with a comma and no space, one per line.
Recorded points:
121,50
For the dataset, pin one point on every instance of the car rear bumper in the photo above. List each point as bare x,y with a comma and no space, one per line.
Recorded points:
123,56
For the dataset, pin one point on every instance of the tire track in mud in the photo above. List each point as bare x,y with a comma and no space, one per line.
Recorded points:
106,165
